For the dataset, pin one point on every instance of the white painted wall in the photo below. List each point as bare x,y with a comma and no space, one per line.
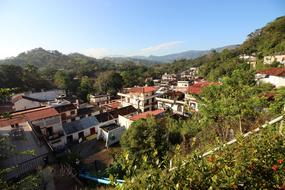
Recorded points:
124,122
274,80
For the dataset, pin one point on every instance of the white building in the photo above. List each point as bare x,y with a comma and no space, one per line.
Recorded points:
45,122
142,98
173,101
274,58
29,100
189,74
250,59
169,77
126,120
99,99
274,76
80,129
111,133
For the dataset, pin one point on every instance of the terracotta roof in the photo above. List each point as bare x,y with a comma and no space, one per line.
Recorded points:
196,88
144,89
273,71
28,115
147,114
113,105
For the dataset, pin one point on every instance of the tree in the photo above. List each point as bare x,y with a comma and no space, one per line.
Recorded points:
85,88
109,82
235,104
65,80
11,76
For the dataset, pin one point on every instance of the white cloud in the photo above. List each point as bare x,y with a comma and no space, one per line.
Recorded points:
160,48
96,52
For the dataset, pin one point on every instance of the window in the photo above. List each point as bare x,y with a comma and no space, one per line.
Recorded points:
179,108
72,112
49,131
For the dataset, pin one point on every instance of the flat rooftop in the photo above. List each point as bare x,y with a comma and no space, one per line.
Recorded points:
110,127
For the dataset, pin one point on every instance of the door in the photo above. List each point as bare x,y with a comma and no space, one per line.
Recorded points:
69,139
92,131
81,136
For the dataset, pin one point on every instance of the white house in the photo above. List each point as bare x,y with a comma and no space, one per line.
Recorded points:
169,77
126,120
22,102
250,59
272,58
173,101
99,99
111,133
80,129
274,76
29,100
45,122
142,98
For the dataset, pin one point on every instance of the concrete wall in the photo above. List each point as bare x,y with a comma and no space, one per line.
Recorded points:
274,80
23,104
124,122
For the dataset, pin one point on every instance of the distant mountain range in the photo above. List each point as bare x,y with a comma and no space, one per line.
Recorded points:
43,58
191,54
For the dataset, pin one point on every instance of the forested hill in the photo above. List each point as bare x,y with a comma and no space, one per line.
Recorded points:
40,57
267,40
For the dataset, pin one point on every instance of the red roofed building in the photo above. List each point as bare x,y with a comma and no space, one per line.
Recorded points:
45,121
196,89
147,114
127,120
142,98
274,76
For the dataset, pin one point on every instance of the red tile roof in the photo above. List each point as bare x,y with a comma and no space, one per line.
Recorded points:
273,71
196,88
29,115
147,114
144,89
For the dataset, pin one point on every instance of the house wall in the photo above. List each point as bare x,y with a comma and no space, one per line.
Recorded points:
124,122
47,95
75,135
183,83
99,100
114,136
146,100
274,80
23,104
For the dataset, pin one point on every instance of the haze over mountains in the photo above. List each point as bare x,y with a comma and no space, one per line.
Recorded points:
190,54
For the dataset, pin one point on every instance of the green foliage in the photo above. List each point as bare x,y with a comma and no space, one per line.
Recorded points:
109,82
252,163
65,80
236,102
85,88
145,136
268,40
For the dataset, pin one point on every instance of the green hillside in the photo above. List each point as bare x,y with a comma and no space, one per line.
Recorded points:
267,40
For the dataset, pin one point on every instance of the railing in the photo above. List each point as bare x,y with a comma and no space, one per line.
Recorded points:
276,120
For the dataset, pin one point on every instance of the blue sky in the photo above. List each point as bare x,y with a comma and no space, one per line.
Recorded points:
130,27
